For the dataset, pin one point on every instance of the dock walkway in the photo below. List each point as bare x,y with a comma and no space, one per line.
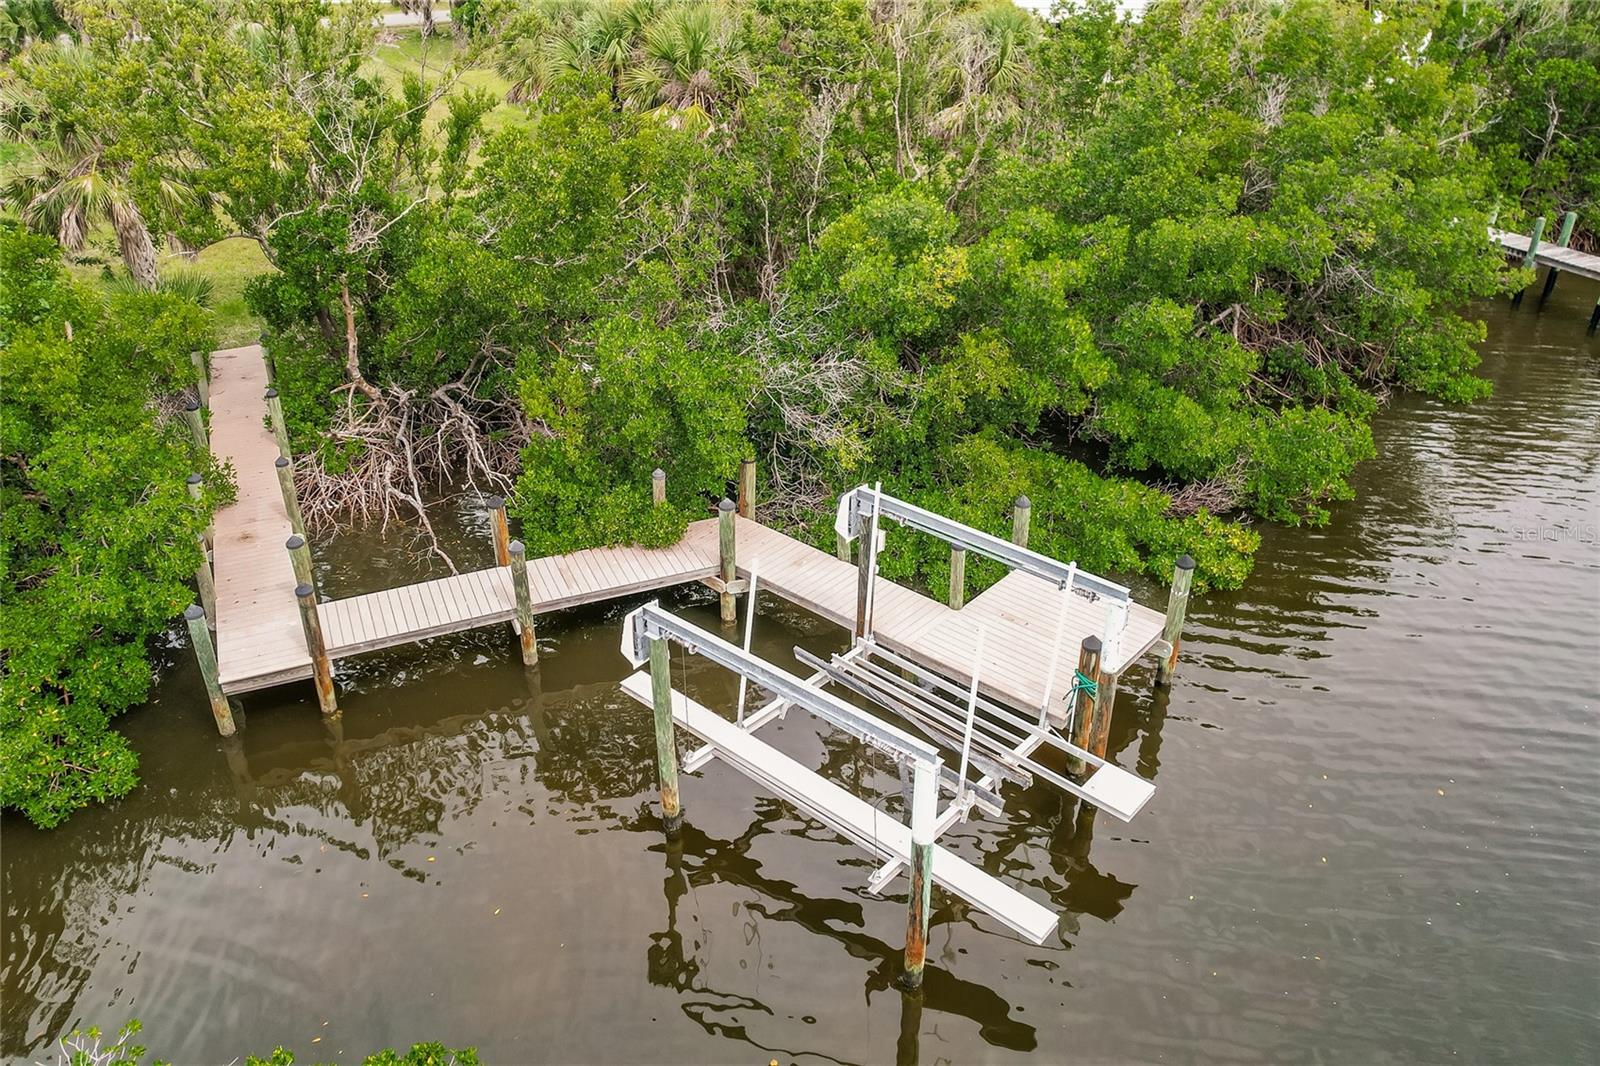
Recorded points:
1018,614
261,642
1569,260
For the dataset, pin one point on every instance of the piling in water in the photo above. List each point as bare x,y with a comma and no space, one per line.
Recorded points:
206,653
1086,704
1177,605
919,895
291,497
1568,220
300,559
500,529
519,582
726,541
666,737
321,667
1532,256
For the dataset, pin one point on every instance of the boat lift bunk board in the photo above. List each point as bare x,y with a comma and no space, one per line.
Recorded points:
873,830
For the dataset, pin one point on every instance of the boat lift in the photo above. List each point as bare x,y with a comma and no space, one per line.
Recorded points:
998,743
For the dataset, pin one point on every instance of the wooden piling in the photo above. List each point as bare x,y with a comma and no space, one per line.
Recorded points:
1105,702
291,498
1021,511
726,541
866,559
958,577
1177,604
1086,706
666,736
747,488
300,559
919,895
841,547
1594,317
501,531
280,428
196,483
197,424
658,487
321,667
205,582
1568,220
519,581
1532,256
202,380
206,653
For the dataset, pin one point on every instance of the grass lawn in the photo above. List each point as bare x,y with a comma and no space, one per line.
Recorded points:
408,53
227,264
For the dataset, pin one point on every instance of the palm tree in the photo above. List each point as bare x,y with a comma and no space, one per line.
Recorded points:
690,58
986,64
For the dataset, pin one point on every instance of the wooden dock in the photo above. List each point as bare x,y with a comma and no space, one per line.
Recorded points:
261,640
1018,614
1566,260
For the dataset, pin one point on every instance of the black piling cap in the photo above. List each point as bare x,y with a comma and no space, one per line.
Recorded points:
192,405
302,591
1023,502
295,542
194,479
280,462
725,505
497,503
272,393
516,547
1091,644
1185,562
194,612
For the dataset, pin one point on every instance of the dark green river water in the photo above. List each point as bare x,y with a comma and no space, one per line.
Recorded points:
1376,835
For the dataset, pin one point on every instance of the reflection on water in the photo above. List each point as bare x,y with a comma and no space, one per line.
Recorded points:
1375,834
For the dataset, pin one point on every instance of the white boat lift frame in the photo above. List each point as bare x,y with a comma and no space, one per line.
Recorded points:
1000,743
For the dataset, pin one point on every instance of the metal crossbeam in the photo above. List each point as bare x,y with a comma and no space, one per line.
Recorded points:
650,622
856,507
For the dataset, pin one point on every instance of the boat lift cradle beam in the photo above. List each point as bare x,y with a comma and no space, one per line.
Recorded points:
857,510
645,634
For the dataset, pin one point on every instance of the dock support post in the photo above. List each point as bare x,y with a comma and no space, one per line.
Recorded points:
1177,604
919,897
321,668
300,559
197,425
666,738
958,577
280,428
658,487
1529,259
866,562
1086,709
291,498
726,540
1021,511
206,652
1568,220
195,481
747,488
1105,701
519,581
1594,317
501,531
202,380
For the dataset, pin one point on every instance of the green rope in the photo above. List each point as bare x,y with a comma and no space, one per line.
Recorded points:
1080,681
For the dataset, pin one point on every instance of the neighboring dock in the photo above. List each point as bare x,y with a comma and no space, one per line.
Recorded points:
1555,256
